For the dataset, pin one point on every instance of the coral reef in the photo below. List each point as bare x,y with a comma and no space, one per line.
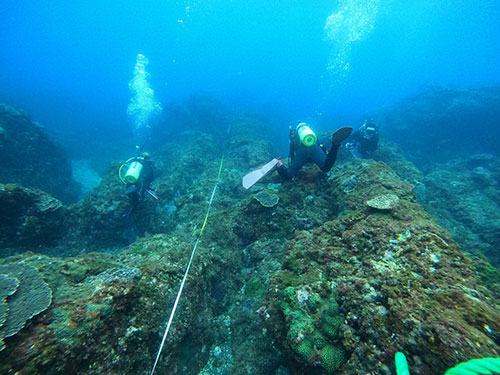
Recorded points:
266,199
439,124
464,196
8,286
31,158
398,279
392,154
192,115
27,296
96,222
108,311
29,218
383,202
320,283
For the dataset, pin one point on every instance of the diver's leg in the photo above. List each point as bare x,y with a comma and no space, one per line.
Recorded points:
317,156
283,172
330,158
133,196
134,200
297,162
338,137
129,231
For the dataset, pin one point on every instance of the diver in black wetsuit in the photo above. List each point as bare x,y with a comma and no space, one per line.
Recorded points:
135,191
138,179
364,141
305,148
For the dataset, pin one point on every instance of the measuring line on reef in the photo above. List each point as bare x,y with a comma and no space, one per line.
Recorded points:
189,264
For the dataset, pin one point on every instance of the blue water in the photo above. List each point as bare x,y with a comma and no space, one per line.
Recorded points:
68,64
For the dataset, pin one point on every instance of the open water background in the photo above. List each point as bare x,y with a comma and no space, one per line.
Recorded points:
68,64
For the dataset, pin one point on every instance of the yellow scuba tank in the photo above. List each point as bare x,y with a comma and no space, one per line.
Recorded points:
133,172
306,135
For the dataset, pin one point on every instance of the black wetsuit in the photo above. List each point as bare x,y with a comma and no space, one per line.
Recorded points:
364,145
135,194
136,191
301,154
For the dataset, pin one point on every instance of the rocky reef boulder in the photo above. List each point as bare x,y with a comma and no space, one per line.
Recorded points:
29,218
290,278
29,157
185,169
439,124
371,282
108,312
464,196
197,113
97,222
393,155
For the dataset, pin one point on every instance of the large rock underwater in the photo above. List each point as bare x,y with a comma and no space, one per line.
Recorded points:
328,274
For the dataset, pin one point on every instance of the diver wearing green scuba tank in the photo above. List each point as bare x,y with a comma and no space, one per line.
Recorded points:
305,148
138,177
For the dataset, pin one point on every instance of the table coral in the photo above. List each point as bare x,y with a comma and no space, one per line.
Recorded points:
266,198
383,202
29,298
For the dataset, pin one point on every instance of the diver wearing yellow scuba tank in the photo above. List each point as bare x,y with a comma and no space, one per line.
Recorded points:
305,148
138,177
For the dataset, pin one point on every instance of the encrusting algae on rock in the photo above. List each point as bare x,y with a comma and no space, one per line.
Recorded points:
318,284
422,299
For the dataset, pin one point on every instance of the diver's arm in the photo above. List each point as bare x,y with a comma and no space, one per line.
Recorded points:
355,136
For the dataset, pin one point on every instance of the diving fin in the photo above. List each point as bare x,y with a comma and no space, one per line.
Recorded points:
341,134
130,234
253,177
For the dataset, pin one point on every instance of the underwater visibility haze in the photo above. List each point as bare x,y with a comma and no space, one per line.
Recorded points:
339,58
162,212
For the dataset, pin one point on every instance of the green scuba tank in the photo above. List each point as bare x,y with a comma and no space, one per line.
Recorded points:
306,135
133,172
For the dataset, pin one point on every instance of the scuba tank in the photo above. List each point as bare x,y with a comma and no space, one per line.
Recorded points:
134,169
133,172
306,135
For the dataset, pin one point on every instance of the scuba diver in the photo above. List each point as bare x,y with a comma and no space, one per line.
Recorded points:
305,148
137,179
364,142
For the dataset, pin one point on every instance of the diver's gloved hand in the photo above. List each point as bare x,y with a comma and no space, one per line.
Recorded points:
341,135
279,163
